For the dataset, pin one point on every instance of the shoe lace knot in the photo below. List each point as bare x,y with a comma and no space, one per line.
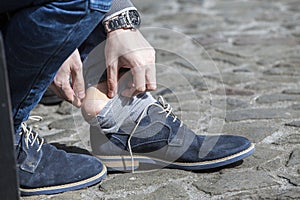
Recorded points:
30,136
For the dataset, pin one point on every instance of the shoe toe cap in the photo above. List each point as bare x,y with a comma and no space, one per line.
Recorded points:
222,146
62,171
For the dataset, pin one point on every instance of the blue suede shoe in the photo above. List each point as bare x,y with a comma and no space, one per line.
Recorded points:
160,138
43,169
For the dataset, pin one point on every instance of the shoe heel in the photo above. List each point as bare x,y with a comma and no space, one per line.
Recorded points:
119,163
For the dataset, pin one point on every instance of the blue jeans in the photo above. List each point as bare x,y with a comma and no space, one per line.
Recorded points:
38,38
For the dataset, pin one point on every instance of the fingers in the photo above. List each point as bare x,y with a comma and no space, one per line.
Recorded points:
72,67
77,76
129,88
143,78
143,70
139,81
126,85
112,80
151,70
64,90
151,78
129,49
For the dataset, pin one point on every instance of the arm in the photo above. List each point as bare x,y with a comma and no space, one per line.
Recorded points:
140,60
72,67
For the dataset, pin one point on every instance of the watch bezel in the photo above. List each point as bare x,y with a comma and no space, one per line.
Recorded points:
129,17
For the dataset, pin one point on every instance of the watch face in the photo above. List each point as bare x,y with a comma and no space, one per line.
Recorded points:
134,18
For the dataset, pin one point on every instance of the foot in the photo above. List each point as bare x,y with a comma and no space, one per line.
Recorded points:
160,138
95,100
43,169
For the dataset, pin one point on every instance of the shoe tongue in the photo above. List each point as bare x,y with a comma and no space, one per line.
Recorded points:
152,109
33,156
129,123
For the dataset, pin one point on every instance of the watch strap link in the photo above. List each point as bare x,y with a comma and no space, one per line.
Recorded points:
120,21
116,23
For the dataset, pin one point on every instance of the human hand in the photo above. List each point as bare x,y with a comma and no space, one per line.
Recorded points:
129,49
71,69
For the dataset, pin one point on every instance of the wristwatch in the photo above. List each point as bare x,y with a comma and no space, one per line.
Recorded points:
129,19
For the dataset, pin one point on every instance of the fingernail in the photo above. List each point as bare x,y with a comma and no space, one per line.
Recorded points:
111,94
141,89
81,95
151,87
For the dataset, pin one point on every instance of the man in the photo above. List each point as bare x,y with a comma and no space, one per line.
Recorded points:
39,36
128,131
42,35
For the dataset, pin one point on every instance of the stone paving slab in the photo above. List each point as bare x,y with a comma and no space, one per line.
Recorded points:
251,87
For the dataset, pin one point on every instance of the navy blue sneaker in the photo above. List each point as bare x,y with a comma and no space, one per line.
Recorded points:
160,138
43,169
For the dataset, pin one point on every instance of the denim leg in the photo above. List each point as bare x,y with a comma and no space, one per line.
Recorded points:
96,37
13,5
37,41
94,67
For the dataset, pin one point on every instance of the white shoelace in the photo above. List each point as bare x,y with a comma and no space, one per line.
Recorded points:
165,108
31,137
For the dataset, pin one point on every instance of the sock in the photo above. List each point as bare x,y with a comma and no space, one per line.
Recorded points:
121,110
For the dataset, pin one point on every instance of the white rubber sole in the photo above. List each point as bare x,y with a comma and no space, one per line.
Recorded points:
124,162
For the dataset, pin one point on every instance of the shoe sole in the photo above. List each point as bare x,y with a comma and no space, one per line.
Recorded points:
66,187
124,163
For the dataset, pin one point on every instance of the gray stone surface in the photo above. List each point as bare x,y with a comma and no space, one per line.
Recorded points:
273,98
293,123
294,158
233,91
256,131
225,66
265,158
289,139
64,123
260,113
65,108
230,103
243,180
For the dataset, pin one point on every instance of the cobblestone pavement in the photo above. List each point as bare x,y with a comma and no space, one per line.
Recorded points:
251,88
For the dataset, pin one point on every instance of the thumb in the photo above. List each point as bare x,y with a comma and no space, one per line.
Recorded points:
77,75
78,84
112,79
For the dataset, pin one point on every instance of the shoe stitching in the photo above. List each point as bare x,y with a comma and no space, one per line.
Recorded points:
31,137
165,108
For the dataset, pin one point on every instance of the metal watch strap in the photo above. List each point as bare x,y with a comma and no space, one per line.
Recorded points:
120,21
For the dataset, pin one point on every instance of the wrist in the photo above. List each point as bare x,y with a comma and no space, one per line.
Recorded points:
119,32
